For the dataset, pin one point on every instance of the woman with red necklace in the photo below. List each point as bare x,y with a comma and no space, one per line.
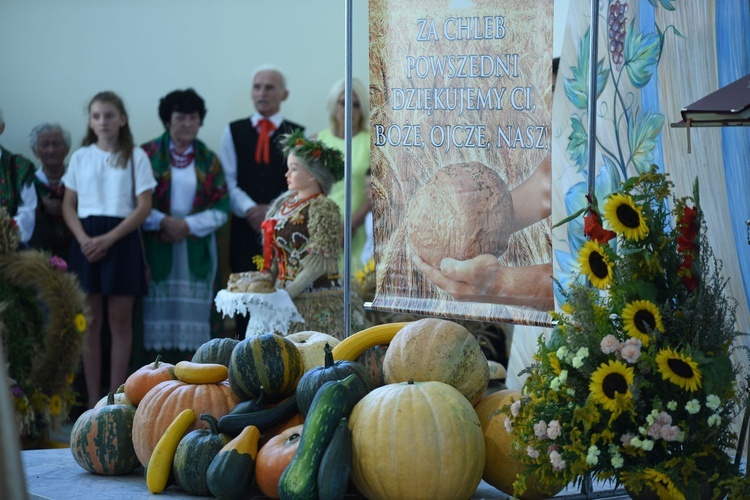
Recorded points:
302,237
190,203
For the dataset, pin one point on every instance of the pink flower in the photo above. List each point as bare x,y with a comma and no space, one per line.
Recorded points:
664,418
670,432
508,425
610,344
625,439
556,459
630,353
554,430
540,429
515,408
532,452
58,263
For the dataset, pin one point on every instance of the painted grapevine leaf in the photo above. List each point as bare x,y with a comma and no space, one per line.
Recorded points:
576,88
667,4
642,133
578,144
642,51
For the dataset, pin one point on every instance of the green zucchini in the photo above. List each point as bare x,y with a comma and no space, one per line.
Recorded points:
333,401
336,464
233,423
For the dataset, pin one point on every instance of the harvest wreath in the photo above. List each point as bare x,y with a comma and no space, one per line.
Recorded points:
42,324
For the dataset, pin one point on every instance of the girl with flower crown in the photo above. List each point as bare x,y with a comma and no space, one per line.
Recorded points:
302,237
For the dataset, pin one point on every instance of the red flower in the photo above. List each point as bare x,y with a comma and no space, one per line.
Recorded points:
593,229
316,153
690,282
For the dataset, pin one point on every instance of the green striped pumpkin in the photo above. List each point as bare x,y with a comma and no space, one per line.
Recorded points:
194,455
102,439
269,363
215,351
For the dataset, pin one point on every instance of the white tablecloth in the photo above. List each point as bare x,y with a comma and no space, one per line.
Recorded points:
266,312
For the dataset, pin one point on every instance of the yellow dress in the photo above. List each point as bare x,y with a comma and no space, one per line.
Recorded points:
360,166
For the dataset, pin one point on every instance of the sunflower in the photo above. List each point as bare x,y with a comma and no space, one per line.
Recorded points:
625,217
55,404
595,264
662,485
679,369
640,319
80,322
610,385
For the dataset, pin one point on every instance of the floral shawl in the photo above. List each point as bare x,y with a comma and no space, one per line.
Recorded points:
211,193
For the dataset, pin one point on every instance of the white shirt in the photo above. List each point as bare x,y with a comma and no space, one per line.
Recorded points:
104,188
26,213
239,201
182,194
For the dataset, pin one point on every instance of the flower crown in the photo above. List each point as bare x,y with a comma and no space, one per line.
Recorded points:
314,152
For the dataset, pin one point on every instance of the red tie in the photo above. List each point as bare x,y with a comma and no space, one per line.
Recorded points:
263,151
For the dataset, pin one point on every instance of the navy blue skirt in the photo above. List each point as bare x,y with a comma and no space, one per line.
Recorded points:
120,272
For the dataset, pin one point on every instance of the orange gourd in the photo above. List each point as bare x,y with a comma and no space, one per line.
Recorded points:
146,378
165,401
500,468
273,458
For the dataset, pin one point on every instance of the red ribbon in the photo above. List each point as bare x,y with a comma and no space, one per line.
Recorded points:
263,151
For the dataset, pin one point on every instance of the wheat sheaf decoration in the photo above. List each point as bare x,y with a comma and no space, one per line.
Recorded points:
43,331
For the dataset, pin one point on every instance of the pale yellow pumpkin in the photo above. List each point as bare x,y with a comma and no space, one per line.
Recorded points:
311,345
416,440
500,468
439,350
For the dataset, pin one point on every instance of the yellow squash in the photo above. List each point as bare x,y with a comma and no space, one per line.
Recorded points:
200,373
354,345
160,464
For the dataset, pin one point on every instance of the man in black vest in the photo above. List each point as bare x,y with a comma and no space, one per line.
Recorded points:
255,167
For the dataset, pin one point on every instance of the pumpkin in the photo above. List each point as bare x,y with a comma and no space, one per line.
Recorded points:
438,350
101,439
217,351
196,451
416,440
165,401
120,399
372,360
273,457
269,363
313,379
146,378
500,468
310,344
232,470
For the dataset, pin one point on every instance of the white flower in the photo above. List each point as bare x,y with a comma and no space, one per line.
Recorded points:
592,459
563,376
610,344
554,430
627,439
515,408
712,401
577,362
532,452
647,445
540,429
556,459
583,353
562,353
636,442
570,391
714,420
555,384
508,425
672,405
693,406
617,461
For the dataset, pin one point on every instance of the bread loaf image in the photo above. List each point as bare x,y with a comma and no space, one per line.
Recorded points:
464,211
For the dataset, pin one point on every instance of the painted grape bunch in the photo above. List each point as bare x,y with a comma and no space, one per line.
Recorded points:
616,31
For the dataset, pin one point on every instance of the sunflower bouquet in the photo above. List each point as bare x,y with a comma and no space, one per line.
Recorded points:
636,383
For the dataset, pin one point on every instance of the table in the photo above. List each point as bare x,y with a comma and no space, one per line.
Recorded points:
266,312
54,474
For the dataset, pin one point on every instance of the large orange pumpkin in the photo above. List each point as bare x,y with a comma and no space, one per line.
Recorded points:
439,350
416,440
165,401
273,457
500,468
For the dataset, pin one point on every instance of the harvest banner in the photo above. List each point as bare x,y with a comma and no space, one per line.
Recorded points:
461,94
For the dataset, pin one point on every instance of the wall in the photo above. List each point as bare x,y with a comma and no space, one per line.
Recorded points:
56,55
